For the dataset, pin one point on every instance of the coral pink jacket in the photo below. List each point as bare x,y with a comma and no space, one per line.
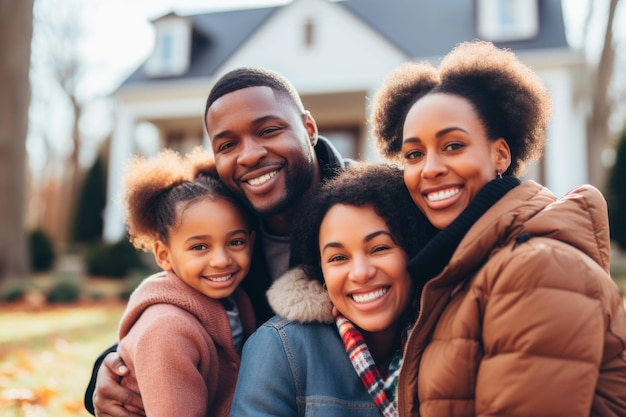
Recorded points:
178,346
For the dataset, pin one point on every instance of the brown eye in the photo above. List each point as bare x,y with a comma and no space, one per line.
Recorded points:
453,146
336,258
225,146
380,248
269,131
237,242
413,154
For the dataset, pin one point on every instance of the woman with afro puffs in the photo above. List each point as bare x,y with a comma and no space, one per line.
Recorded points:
518,315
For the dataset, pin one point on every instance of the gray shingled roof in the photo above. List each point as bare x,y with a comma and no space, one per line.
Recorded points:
216,36
427,28
419,28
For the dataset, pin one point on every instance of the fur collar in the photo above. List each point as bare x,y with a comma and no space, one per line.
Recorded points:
296,297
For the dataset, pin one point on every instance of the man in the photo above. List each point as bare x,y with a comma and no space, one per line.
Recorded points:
268,151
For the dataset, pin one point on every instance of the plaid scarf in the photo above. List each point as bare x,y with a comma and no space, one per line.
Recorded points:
382,390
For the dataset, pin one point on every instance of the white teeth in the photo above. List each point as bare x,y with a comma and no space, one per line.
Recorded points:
221,279
262,179
366,298
442,195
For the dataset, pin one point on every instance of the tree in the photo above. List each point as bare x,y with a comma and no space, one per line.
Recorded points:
616,195
16,27
602,104
58,58
88,219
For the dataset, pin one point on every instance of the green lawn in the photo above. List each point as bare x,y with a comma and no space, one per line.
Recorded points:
46,357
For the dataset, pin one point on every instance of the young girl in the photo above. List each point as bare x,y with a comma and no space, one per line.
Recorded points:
183,329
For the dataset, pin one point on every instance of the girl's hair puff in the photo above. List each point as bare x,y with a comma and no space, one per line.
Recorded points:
202,163
155,186
509,98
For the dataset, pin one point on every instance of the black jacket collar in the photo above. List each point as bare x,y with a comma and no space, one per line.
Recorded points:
431,260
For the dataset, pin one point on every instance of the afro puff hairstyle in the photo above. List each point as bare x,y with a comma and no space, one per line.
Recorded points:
154,187
508,97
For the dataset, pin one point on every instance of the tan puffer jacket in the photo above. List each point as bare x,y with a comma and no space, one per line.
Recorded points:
529,328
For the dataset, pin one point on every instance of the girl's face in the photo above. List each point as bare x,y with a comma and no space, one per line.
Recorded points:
209,248
447,156
364,269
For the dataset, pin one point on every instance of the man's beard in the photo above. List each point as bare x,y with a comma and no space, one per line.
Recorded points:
297,182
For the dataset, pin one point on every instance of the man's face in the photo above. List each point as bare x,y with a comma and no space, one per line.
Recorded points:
263,148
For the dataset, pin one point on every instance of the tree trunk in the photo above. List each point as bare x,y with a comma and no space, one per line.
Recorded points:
72,179
598,121
77,173
16,27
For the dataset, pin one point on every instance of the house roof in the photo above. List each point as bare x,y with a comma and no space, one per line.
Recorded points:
432,28
215,37
420,29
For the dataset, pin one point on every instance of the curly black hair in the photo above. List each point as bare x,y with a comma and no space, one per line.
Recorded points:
361,184
508,97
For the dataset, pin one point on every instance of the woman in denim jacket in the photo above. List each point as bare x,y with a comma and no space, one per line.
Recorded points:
334,349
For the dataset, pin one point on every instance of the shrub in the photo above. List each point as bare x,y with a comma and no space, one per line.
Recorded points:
125,293
88,221
616,196
41,251
14,293
114,260
132,283
96,295
63,292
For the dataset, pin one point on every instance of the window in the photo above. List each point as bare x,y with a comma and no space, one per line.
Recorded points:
346,140
507,20
172,48
165,50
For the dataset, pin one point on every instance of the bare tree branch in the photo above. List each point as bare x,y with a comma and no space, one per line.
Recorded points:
602,105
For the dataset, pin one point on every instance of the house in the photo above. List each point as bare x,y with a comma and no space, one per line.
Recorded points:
337,53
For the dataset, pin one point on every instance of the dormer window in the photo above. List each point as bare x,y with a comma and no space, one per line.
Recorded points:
172,47
507,20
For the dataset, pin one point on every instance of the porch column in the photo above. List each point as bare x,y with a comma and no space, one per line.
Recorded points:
121,151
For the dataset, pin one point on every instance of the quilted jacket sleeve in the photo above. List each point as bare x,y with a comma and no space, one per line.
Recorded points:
543,332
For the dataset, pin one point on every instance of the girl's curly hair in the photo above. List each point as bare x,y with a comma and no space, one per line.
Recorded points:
153,187
509,98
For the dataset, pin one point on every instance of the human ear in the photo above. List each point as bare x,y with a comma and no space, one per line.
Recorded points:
502,155
162,255
311,127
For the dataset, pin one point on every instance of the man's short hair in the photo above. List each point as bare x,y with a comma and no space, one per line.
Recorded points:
245,77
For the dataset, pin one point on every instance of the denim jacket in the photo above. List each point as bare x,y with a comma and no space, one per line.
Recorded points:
295,364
